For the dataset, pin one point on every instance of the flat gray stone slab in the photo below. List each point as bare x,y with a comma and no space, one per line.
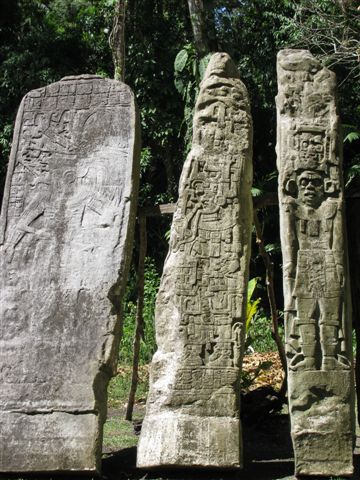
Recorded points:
66,239
192,417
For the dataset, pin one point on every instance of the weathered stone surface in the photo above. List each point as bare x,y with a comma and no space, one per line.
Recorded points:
66,235
318,325
192,416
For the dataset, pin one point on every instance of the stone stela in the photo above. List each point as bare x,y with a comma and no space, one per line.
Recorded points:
192,416
66,233
316,284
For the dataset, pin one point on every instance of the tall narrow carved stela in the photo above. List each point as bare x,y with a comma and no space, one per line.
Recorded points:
192,415
318,325
66,234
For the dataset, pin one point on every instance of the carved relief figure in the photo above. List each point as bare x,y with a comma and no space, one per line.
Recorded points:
316,285
315,274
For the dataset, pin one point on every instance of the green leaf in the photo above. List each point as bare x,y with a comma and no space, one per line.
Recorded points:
252,308
352,136
251,287
273,248
204,62
194,67
256,192
353,172
180,85
180,61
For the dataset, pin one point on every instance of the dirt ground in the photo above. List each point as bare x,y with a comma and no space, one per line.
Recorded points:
268,453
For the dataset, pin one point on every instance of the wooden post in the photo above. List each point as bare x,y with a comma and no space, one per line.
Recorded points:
139,330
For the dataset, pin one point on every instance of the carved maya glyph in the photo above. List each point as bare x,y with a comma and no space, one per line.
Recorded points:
192,416
66,233
318,324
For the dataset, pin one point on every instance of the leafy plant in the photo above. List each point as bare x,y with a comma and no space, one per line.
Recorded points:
258,325
119,386
189,69
188,72
352,171
259,335
352,135
252,305
152,281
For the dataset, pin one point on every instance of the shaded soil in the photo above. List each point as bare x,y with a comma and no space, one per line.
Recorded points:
268,453
267,456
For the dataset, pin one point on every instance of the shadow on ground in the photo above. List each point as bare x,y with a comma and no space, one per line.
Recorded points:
264,442
121,466
268,455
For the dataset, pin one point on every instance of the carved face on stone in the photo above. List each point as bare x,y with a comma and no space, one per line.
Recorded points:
310,188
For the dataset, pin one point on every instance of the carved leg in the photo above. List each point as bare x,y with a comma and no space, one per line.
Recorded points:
306,322
329,341
329,333
308,345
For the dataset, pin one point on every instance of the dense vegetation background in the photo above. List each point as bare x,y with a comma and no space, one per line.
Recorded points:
42,41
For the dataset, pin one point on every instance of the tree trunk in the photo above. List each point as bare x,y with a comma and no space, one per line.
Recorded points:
139,331
117,40
198,23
